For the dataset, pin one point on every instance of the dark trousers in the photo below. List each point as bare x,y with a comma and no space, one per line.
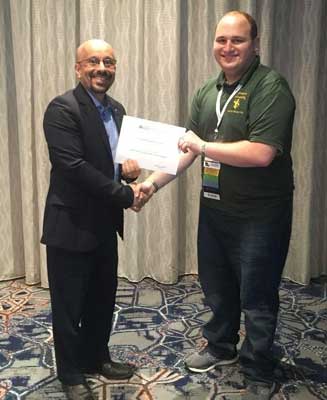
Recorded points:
82,289
240,267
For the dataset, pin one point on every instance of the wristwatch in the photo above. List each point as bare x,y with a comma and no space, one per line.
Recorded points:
155,185
203,150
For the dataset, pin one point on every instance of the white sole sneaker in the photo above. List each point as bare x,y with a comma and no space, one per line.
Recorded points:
219,363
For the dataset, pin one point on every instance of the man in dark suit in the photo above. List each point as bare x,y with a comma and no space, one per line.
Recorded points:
83,212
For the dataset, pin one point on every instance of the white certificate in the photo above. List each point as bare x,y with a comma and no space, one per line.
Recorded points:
153,145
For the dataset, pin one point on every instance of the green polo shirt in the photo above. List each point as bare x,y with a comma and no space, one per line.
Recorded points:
262,111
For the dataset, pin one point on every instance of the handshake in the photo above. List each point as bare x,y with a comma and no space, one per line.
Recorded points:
142,193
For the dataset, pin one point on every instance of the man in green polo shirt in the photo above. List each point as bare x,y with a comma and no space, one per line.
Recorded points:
241,125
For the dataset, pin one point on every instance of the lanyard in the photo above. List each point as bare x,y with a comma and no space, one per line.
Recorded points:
220,114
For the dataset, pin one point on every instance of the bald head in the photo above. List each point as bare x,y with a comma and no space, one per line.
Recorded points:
96,66
92,45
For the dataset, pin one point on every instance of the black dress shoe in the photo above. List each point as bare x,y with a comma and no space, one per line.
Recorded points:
114,370
77,392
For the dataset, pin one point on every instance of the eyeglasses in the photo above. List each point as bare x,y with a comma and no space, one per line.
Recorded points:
94,61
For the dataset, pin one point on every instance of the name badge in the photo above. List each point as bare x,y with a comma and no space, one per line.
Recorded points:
210,179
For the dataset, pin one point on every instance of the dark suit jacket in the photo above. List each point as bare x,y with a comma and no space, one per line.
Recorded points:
84,203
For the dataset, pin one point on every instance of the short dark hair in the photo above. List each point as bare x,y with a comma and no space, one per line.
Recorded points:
251,21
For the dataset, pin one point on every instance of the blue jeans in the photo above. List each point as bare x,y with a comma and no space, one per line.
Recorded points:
240,266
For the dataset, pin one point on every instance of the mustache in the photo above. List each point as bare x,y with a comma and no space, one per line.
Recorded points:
102,74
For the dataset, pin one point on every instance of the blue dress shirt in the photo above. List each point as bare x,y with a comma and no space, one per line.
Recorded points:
111,128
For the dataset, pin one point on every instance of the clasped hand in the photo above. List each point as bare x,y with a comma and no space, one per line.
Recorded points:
142,194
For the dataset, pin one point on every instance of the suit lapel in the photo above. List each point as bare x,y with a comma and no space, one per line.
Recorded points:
91,116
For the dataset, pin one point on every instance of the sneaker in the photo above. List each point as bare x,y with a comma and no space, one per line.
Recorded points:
204,361
259,391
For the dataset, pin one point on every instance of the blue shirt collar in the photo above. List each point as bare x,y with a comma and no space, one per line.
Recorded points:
98,104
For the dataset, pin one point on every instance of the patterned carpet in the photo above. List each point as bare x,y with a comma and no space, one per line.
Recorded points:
155,326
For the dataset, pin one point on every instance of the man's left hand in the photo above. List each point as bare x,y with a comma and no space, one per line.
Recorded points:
130,169
190,142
